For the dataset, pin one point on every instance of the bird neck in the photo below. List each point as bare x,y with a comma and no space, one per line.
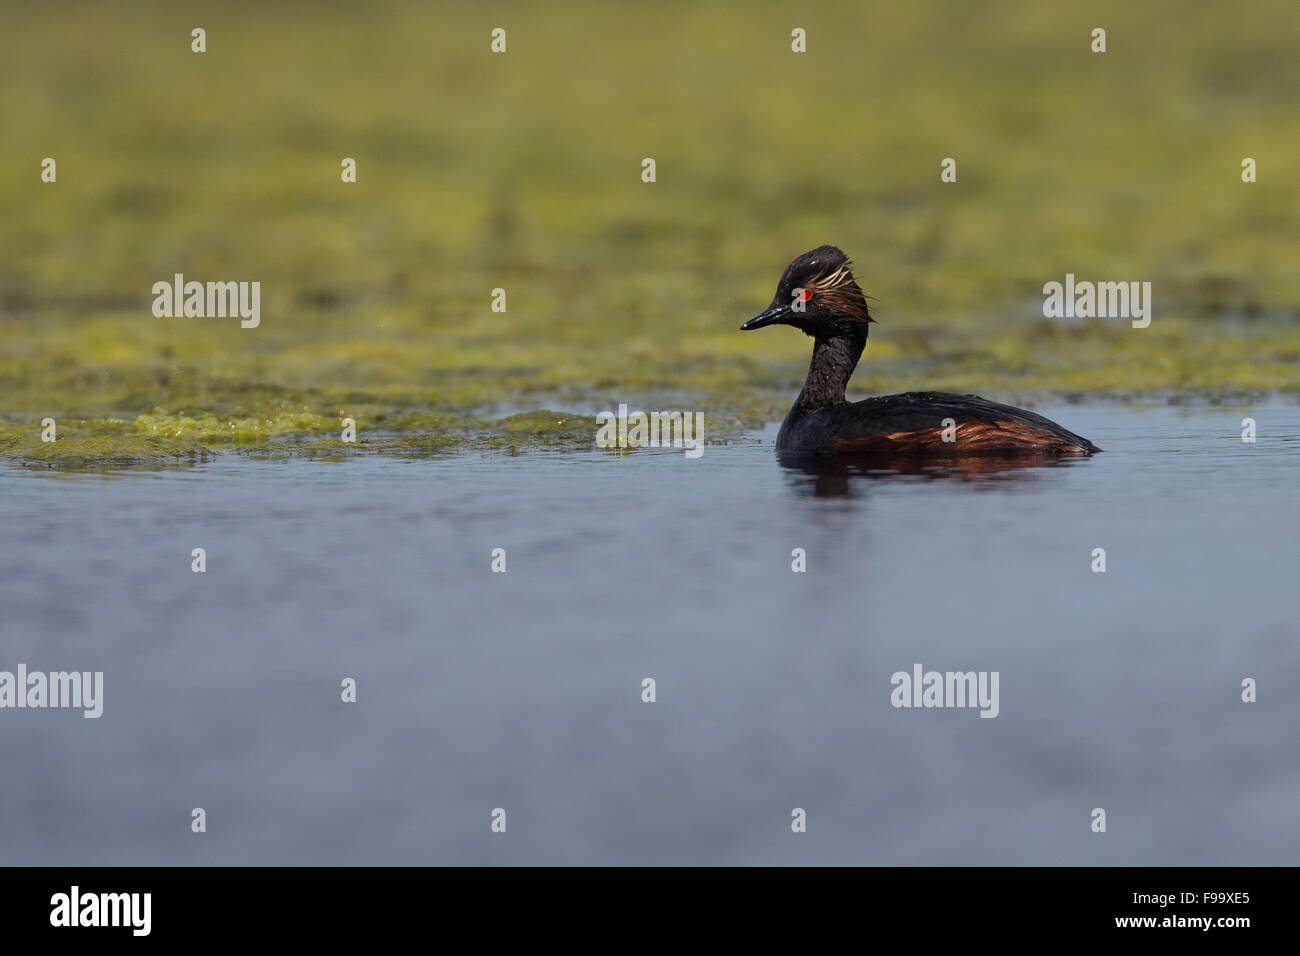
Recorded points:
833,360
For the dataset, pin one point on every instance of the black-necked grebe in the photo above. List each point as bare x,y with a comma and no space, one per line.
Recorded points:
818,295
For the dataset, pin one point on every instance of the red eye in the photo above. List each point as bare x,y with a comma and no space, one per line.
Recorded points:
804,295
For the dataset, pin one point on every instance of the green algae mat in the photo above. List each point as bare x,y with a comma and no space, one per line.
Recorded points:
501,270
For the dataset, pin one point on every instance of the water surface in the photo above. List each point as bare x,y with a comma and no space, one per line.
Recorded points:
523,690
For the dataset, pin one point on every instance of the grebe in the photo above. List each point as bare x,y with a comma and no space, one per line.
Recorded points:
818,295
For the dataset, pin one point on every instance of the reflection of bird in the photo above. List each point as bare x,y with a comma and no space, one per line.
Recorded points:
818,295
834,476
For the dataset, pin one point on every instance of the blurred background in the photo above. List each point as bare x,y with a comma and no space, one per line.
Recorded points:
522,171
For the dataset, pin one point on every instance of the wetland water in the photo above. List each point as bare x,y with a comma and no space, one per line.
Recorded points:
523,690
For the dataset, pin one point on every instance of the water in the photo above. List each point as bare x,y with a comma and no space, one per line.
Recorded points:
523,690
